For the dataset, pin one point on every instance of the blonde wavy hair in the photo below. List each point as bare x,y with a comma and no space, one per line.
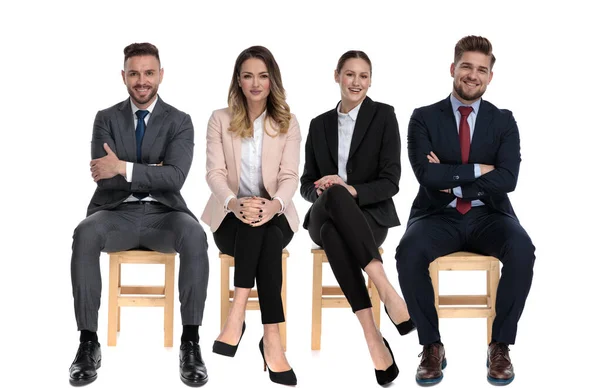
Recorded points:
278,111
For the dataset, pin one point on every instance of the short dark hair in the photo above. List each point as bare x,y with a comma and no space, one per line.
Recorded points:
138,49
473,43
353,54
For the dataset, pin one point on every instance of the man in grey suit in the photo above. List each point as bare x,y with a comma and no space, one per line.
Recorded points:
142,151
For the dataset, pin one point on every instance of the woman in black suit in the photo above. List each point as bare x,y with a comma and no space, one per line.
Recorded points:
351,173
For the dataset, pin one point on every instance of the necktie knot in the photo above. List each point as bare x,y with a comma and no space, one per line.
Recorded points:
464,110
141,114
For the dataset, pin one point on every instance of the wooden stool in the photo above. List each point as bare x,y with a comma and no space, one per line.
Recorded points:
145,296
227,293
479,306
332,296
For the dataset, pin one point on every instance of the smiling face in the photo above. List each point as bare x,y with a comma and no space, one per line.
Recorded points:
472,74
142,75
354,79
255,82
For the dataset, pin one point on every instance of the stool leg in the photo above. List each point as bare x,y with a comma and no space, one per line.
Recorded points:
493,277
169,300
282,325
224,290
119,307
113,299
376,302
317,301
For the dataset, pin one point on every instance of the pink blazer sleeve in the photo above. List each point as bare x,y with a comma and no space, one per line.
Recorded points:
216,167
287,177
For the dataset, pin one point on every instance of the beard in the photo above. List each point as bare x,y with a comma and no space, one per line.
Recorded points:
142,101
475,95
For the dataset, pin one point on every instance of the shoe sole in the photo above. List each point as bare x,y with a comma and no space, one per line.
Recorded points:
429,382
193,383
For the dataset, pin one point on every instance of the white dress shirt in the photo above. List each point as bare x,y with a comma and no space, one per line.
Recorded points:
251,181
129,165
346,123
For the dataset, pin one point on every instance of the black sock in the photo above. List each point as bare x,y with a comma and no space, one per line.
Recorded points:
87,335
190,333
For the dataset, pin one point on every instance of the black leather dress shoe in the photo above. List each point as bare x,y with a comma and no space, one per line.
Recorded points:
191,366
87,361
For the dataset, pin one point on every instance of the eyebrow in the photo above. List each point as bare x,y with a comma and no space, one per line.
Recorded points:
249,72
479,67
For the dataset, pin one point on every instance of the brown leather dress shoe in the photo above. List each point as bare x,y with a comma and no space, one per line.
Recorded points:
500,368
433,360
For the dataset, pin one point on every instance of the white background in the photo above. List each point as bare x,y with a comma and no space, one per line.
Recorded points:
60,63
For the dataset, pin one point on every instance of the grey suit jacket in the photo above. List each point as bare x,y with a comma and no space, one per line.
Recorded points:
169,139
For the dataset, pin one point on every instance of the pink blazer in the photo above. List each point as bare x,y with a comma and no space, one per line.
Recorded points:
280,160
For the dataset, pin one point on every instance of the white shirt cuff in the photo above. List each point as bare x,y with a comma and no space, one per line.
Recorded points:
227,203
282,205
128,171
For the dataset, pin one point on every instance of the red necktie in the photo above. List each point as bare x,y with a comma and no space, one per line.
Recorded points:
464,136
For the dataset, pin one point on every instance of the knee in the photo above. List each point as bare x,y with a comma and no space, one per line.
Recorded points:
194,237
410,258
336,194
86,233
519,253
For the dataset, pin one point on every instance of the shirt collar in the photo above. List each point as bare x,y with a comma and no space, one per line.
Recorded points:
134,107
456,104
352,114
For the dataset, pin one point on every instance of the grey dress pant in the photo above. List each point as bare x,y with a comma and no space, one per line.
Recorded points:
139,225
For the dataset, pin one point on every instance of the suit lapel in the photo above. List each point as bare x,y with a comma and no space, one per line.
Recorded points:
331,134
158,116
484,118
126,132
363,120
449,129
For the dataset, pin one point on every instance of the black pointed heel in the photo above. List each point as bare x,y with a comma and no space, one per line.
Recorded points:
225,349
403,327
287,377
385,377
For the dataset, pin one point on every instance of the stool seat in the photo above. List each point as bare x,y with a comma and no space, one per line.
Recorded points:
467,306
227,293
140,295
333,296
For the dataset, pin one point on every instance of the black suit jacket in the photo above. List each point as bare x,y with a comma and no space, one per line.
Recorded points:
495,141
373,166
168,139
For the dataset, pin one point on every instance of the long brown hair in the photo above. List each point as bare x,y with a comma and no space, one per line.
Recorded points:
278,111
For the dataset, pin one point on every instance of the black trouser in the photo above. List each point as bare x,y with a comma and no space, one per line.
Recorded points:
350,238
481,230
257,253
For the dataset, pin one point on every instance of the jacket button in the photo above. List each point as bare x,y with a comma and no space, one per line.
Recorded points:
479,193
349,171
455,177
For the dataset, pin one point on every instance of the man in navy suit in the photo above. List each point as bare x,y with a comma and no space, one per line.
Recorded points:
465,154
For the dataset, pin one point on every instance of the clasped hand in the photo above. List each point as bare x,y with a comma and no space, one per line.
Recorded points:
107,166
329,180
254,211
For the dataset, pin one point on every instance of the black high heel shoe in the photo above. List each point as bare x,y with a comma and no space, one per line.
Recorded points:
385,377
403,327
225,349
287,377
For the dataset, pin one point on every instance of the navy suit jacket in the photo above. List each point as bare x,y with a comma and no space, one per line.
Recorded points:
495,142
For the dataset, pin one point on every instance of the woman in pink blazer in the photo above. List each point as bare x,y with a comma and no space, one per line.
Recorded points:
252,158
